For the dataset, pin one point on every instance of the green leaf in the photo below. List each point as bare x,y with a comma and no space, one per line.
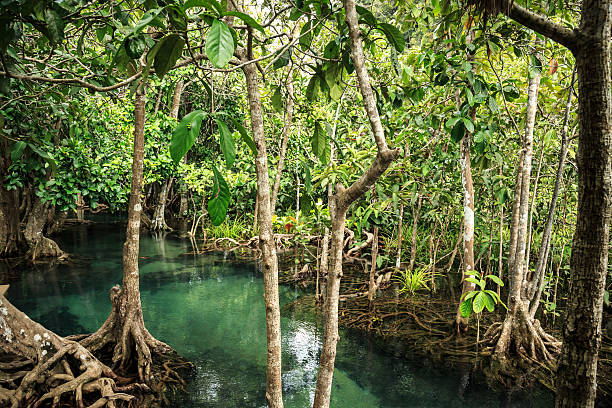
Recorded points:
277,100
488,302
469,125
306,35
147,17
227,143
219,44
466,308
245,136
217,205
312,89
535,67
169,52
185,134
211,5
246,18
394,36
493,104
458,131
495,279
479,302
366,15
5,86
318,141
55,26
474,281
18,149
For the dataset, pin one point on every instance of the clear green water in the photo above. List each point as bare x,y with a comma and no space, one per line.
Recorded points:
211,311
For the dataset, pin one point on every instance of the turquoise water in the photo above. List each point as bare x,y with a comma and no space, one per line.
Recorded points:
210,309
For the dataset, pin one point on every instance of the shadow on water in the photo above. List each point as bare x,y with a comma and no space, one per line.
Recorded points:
211,311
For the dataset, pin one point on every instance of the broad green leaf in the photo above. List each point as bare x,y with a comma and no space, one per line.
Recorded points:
493,104
535,67
474,281
168,53
277,100
466,308
219,44
18,149
469,125
495,279
394,36
55,26
312,89
246,18
135,46
458,131
366,15
479,302
318,141
227,143
245,136
147,18
211,5
488,302
217,205
185,134
306,35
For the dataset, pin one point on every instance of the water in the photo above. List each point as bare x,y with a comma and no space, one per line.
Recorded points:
211,311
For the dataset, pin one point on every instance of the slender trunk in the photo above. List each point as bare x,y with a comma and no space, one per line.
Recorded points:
10,234
537,283
532,206
324,264
158,223
274,389
415,221
468,225
514,222
398,258
286,131
372,286
339,206
577,368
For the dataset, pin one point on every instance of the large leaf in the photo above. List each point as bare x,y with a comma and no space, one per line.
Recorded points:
246,18
458,131
147,18
55,26
318,140
466,308
185,134
277,100
489,302
245,136
312,89
168,53
211,5
307,177
219,44
306,35
479,302
217,205
227,143
394,36
495,279
17,150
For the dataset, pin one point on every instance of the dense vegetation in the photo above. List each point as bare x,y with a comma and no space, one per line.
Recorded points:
460,148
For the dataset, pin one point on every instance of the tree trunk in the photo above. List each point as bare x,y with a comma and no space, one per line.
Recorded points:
538,282
125,326
372,285
274,389
577,366
514,222
158,223
39,246
286,131
398,258
468,225
339,206
10,234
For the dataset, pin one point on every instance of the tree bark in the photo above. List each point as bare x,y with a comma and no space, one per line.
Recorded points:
577,366
372,285
286,131
339,206
125,326
10,234
415,224
461,322
39,246
398,258
274,389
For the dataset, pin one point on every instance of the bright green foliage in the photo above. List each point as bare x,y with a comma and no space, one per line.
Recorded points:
476,300
219,44
217,205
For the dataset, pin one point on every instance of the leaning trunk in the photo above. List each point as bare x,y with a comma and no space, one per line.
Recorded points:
339,206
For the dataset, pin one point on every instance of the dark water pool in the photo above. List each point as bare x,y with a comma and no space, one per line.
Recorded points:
211,311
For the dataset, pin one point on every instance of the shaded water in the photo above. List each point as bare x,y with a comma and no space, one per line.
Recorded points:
211,311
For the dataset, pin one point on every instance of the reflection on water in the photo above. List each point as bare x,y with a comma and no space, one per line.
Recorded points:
211,311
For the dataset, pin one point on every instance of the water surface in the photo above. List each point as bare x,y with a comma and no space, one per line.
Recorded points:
211,310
